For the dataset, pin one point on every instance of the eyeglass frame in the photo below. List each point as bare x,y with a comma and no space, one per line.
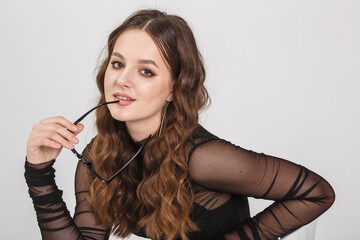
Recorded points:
88,165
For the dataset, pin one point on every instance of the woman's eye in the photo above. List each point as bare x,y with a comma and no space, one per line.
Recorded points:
146,73
117,64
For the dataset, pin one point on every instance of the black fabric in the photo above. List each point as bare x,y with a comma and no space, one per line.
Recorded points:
223,175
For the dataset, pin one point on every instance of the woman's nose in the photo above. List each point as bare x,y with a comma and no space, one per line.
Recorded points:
125,78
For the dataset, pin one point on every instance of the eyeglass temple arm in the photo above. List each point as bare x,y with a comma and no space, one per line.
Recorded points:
78,155
88,166
113,176
87,113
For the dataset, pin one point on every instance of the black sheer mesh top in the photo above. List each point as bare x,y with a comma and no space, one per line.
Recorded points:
223,175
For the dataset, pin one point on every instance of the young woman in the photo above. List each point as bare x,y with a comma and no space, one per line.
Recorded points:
152,170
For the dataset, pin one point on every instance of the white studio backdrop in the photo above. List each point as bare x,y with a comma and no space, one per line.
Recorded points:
283,77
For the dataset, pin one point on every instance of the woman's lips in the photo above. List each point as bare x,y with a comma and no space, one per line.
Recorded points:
124,99
123,96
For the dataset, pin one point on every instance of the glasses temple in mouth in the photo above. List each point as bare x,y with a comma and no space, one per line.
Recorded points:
87,113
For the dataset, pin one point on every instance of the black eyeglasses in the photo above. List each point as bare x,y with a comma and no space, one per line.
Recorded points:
88,165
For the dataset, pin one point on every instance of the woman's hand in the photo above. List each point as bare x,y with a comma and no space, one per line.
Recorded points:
49,136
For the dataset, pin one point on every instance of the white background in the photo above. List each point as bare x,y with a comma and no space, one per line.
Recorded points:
283,77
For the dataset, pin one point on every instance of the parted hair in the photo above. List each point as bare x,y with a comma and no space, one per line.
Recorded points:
153,194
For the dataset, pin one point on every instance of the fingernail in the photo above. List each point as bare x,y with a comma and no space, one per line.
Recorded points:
74,140
73,127
70,145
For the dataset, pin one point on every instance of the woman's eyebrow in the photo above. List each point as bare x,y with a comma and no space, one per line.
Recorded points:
142,61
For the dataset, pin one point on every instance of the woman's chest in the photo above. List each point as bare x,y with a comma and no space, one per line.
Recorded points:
214,223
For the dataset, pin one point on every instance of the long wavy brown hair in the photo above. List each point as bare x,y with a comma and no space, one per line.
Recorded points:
153,194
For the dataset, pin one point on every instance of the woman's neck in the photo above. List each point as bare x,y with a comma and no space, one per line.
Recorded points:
140,130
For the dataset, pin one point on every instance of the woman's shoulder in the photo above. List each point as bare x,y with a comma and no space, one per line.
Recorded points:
200,135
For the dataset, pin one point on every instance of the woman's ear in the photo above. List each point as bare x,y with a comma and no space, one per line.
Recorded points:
170,97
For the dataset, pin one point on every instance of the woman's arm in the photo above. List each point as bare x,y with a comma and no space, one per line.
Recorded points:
300,195
44,144
53,216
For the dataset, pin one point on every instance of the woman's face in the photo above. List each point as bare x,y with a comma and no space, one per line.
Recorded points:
138,76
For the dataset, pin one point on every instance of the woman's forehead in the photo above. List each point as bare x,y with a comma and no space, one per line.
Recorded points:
137,44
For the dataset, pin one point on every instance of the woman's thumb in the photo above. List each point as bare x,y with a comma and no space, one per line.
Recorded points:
80,127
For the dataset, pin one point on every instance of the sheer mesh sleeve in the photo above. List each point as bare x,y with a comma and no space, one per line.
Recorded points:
300,195
53,216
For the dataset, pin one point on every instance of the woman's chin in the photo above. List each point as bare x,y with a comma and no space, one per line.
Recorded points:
119,117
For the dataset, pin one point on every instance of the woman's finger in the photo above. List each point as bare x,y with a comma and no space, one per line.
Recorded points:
54,132
62,121
49,143
80,127
49,129
53,136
